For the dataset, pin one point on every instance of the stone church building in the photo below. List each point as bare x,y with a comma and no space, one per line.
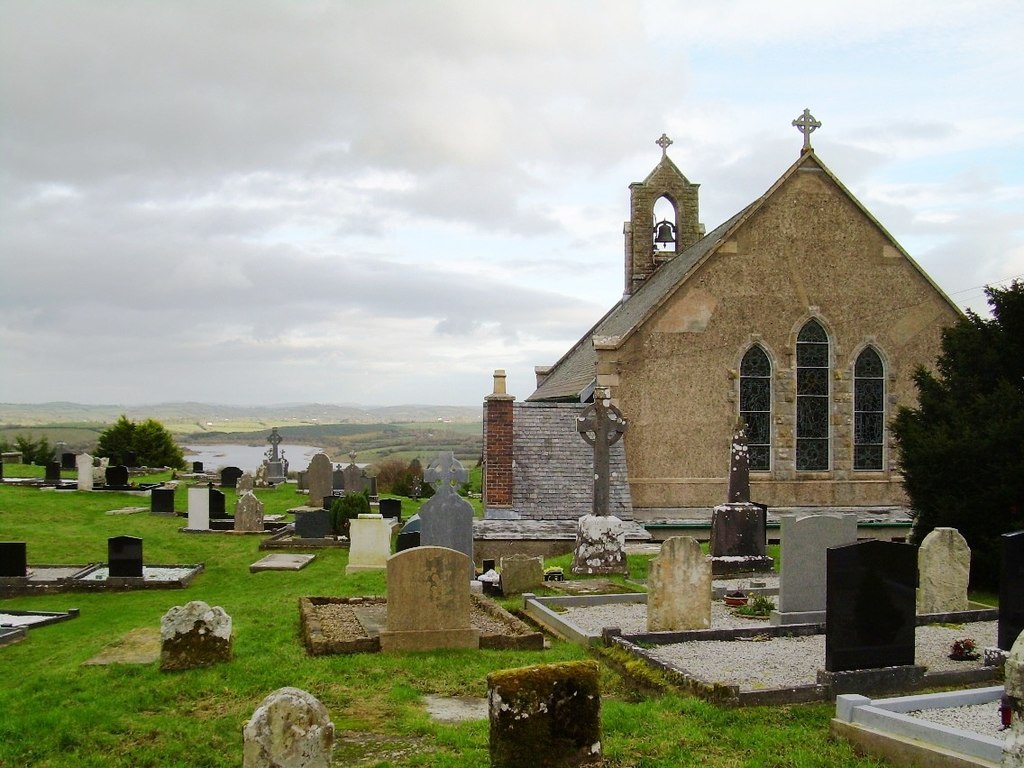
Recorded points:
800,316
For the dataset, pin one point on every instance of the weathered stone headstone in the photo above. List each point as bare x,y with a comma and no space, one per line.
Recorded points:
319,479
600,537
99,470
370,544
161,501
13,559
218,505
313,523
261,479
194,635
548,715
521,573
245,483
248,513
52,472
943,568
199,508
428,601
391,508
870,605
446,519
289,729
805,543
83,463
117,476
1011,589
124,557
1013,683
679,587
229,476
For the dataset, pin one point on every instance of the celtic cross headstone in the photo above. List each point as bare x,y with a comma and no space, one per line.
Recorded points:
602,425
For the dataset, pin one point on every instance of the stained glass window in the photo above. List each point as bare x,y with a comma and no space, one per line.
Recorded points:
812,397
868,411
756,406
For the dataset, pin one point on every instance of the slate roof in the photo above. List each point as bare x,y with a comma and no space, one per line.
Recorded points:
575,371
553,467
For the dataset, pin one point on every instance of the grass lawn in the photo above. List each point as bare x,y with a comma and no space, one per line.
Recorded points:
57,712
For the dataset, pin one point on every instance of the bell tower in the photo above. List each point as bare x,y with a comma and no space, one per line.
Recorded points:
652,238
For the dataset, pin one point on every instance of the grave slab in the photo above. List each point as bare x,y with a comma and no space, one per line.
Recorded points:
281,562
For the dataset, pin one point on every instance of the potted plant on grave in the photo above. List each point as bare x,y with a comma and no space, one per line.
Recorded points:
735,598
964,650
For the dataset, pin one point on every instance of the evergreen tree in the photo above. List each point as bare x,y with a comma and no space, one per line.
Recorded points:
962,448
150,441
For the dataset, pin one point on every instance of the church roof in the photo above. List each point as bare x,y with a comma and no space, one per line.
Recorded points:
576,370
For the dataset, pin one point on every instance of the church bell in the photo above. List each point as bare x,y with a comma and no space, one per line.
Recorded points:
665,234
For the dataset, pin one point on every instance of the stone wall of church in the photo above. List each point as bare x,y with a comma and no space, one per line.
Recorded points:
808,252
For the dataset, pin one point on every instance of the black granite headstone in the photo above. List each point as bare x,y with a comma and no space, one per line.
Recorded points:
338,479
739,530
117,477
67,461
131,459
313,523
409,536
13,562
218,509
161,501
870,605
1,470
1011,590
124,556
229,477
391,508
52,472
197,467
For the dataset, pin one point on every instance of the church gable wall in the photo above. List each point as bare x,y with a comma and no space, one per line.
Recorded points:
807,252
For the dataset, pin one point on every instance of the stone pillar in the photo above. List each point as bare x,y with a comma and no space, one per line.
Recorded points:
289,728
498,423
547,715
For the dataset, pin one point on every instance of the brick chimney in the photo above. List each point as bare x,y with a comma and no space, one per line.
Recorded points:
497,481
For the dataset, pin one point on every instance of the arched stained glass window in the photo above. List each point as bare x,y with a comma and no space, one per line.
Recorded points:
812,397
756,406
868,411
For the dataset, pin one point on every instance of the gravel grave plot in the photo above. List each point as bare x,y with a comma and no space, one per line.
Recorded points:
341,621
631,618
982,719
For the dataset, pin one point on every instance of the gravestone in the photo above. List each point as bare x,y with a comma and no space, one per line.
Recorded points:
83,463
428,601
313,523
1013,683
248,513
131,459
409,536
319,479
260,480
870,605
739,527
52,472
301,482
679,587
218,509
337,479
289,729
275,464
805,543
245,483
229,476
197,467
391,508
116,476
600,536
520,573
13,559
99,470
446,519
124,557
1011,589
547,715
943,569
67,461
161,501
194,635
1,470
370,544
199,508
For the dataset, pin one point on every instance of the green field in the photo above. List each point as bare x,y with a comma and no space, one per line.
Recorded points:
57,712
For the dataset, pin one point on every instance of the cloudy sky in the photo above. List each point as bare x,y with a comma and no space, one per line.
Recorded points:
257,202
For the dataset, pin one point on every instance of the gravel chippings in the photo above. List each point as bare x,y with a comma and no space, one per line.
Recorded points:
977,718
631,618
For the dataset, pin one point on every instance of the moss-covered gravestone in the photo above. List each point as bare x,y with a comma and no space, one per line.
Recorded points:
194,635
545,716
289,729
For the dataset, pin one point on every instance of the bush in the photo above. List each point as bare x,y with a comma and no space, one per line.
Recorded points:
34,451
346,508
150,441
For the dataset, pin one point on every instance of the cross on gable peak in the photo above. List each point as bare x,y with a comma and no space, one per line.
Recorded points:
664,142
807,124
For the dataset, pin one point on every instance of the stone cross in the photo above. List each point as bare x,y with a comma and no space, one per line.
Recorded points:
445,472
275,440
664,142
601,424
807,125
739,467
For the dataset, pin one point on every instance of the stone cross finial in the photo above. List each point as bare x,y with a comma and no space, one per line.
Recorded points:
352,456
275,440
739,467
601,424
445,472
664,142
807,125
